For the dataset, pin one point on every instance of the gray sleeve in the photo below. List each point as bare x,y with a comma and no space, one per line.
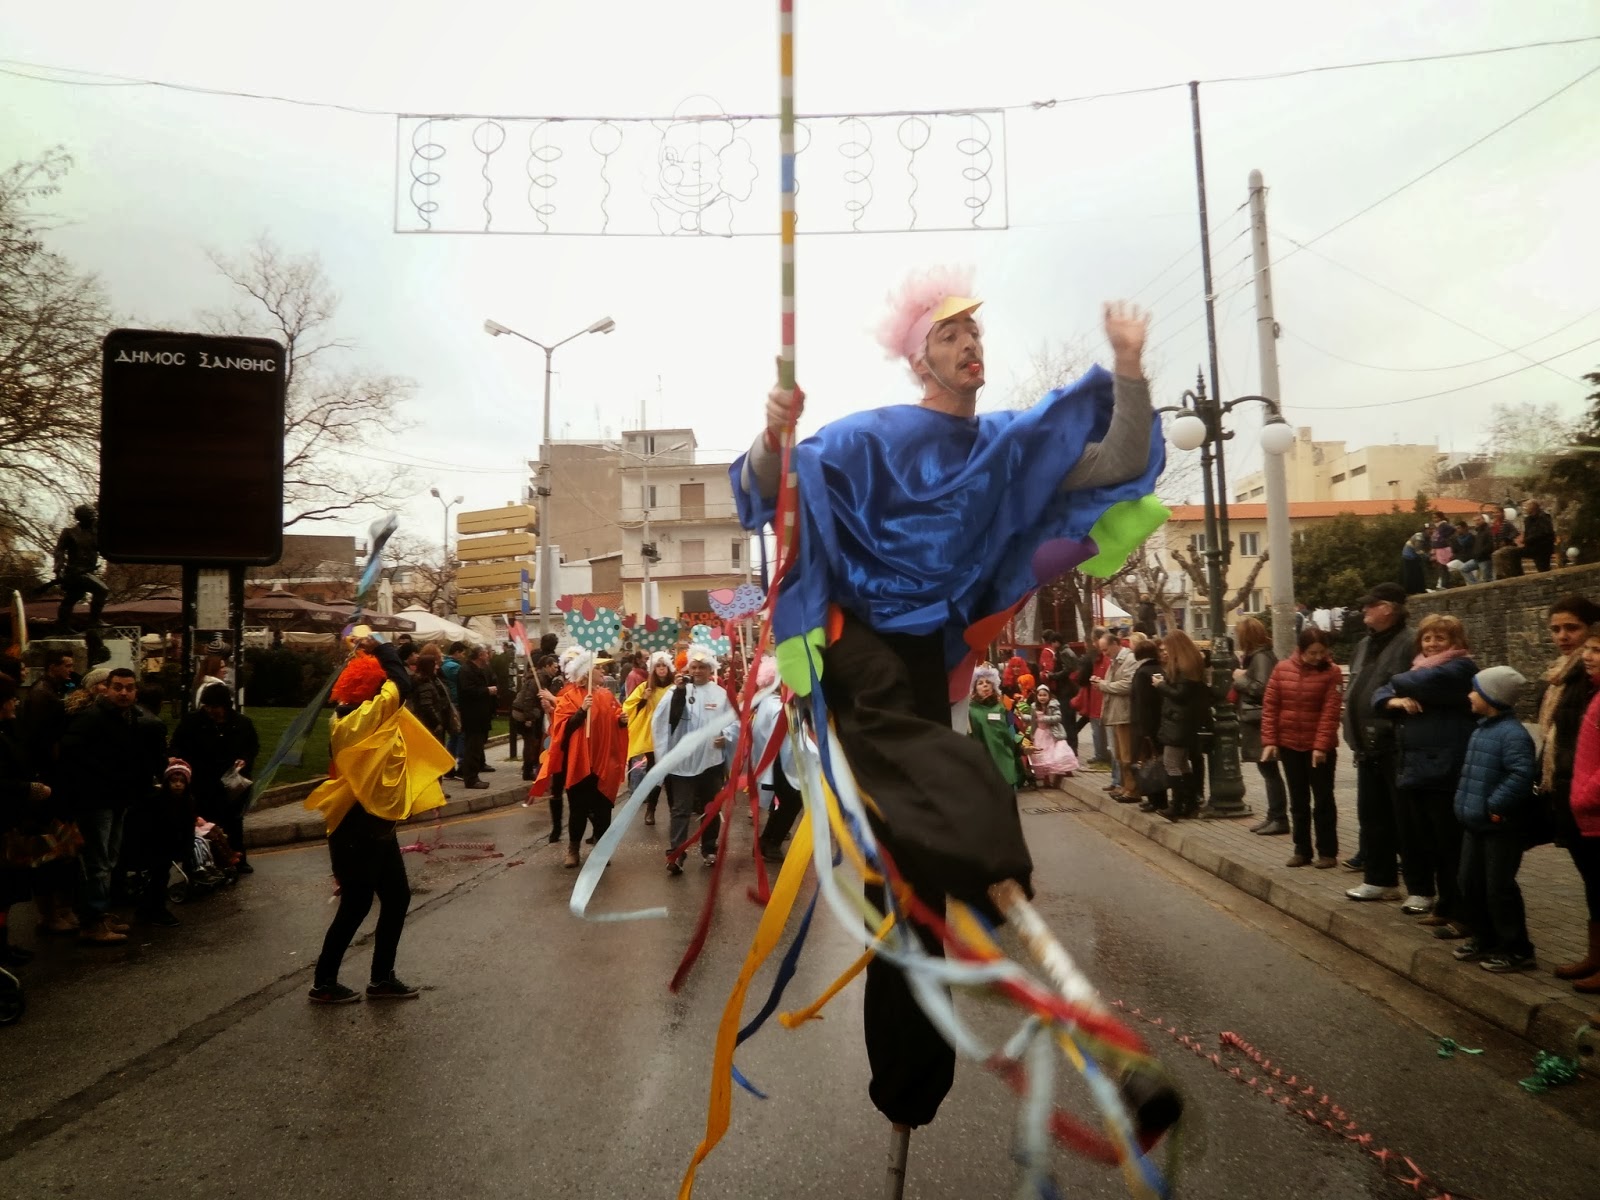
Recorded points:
1126,448
762,468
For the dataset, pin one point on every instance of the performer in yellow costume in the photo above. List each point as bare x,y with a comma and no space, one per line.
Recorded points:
385,767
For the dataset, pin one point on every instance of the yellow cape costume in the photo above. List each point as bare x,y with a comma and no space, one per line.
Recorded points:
383,759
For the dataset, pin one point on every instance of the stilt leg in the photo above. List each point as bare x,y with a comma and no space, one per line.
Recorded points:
899,1146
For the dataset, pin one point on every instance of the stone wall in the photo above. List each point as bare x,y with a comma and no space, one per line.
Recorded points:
1507,621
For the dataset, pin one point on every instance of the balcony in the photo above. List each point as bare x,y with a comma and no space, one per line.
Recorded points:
661,514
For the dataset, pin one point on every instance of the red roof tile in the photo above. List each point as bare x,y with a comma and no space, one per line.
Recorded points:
1331,508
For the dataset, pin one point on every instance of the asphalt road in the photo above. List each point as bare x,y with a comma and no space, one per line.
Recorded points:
546,1057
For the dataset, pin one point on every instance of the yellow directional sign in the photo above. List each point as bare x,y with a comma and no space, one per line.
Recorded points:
486,604
510,518
504,545
494,574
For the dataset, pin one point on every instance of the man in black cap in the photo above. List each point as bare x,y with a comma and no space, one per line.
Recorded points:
1384,652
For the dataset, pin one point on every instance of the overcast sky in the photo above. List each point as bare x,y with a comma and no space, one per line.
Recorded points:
1100,199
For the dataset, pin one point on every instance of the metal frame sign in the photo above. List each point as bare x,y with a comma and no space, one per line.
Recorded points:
191,448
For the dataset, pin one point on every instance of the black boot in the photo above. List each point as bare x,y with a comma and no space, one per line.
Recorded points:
1184,801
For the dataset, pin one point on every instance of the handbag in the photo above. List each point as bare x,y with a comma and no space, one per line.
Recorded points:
1150,778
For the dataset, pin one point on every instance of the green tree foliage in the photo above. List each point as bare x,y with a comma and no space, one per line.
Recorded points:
1572,482
1336,560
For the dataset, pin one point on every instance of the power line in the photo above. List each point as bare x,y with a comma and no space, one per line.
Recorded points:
1473,145
1446,391
23,69
1393,291
1475,362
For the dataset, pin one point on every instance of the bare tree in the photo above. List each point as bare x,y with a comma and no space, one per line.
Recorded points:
420,573
1521,442
51,322
332,410
1194,567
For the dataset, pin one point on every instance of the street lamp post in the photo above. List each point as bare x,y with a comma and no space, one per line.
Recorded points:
646,549
547,568
1198,426
445,562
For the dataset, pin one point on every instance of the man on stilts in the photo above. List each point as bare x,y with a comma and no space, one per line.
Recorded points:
922,528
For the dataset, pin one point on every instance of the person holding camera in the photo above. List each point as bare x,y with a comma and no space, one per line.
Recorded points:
698,702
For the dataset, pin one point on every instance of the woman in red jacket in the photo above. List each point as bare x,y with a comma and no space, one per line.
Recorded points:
1583,841
1300,729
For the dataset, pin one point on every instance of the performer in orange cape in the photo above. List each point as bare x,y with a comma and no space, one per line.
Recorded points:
384,767
588,748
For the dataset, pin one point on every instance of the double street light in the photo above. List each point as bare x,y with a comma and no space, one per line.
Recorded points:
1198,426
448,505
547,567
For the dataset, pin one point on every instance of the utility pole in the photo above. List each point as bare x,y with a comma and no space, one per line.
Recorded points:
1226,545
644,505
1280,562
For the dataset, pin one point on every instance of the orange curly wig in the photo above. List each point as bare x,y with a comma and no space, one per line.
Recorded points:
362,678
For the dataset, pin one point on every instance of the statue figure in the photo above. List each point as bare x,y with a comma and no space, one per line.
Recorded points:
76,563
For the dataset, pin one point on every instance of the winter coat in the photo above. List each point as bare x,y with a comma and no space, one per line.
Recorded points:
450,669
1118,708
112,757
1048,715
640,709
1585,800
430,703
1561,719
1251,690
1300,710
1146,705
43,719
477,703
1482,543
1185,712
1378,658
1433,742
20,793
1496,788
1089,702
990,723
211,750
1538,532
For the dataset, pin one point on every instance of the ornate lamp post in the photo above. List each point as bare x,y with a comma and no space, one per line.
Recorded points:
1197,425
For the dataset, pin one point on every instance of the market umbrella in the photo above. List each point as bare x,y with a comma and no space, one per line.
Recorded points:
285,610
377,622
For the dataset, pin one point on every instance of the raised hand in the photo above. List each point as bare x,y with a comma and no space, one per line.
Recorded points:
1127,326
784,407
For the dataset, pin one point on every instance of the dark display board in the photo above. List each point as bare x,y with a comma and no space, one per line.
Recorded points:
191,449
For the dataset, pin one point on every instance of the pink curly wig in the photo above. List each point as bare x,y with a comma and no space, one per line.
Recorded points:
903,333
766,671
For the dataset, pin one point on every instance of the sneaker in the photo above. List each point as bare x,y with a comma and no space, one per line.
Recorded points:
674,867
243,867
773,854
1354,863
486,769
708,860
1371,891
1472,951
1450,932
1272,828
555,835
392,989
571,860
477,785
1326,863
1299,860
332,993
1416,906
1505,964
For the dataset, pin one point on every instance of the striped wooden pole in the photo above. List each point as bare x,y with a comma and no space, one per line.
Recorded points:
786,362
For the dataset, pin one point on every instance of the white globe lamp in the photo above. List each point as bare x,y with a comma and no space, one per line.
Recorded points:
1276,436
1187,432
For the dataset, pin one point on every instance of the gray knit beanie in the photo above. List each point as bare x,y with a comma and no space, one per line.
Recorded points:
1499,686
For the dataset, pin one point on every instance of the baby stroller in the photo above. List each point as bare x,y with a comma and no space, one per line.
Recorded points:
12,1001
204,872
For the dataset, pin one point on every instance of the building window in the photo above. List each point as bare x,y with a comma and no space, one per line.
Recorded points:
1197,543
1255,602
647,495
735,556
692,501
1250,545
695,601
649,444
1354,471
1257,492
1339,478
694,557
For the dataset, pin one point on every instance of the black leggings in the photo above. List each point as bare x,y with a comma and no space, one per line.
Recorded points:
367,863
1430,845
780,821
587,804
1585,853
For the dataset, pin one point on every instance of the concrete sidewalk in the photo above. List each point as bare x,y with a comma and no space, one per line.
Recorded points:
1533,1005
292,822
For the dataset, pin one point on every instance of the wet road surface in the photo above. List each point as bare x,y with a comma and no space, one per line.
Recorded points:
546,1057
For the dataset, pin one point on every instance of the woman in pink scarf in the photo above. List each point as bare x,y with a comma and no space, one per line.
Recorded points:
1434,721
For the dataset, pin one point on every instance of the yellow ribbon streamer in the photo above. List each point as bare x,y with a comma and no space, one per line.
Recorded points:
768,932
793,1020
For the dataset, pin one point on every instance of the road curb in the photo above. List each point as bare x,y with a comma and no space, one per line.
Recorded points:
1519,1004
309,827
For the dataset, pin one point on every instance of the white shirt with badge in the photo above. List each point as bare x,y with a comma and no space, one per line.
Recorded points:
706,706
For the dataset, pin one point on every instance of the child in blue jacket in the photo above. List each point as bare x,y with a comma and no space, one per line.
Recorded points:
1493,804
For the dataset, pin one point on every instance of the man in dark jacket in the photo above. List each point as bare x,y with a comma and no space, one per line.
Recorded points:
1383,653
111,757
480,696
43,716
213,740
1483,548
1538,535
